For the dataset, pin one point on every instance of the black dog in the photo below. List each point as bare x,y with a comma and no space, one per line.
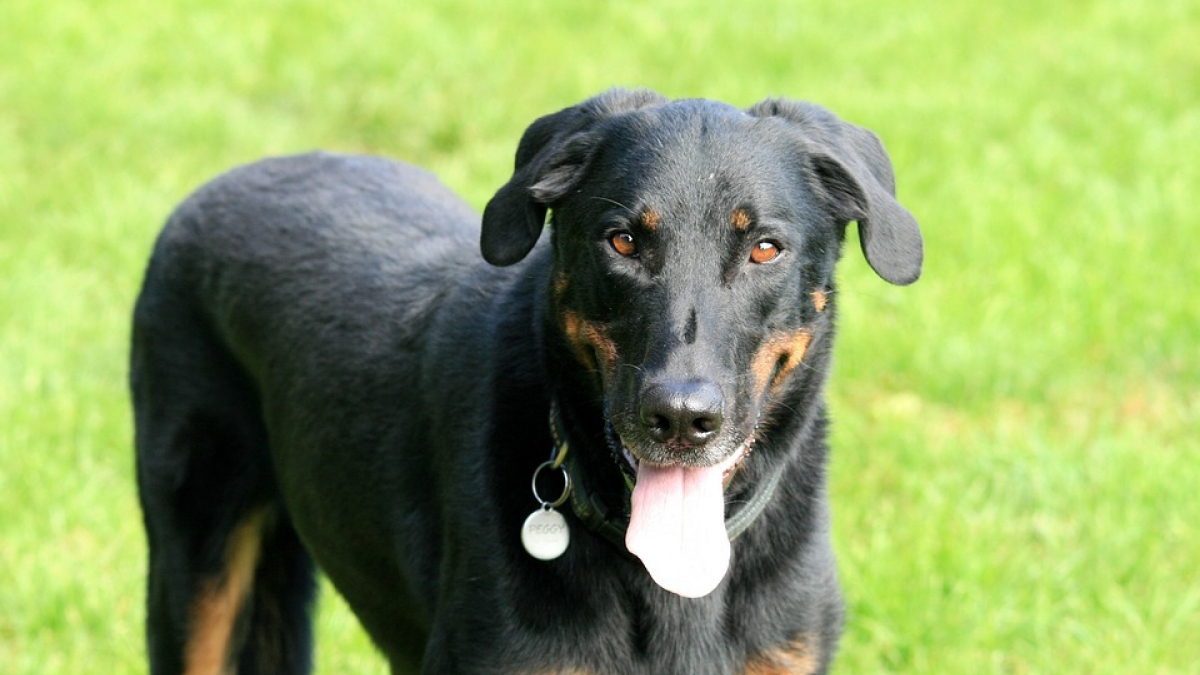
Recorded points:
324,374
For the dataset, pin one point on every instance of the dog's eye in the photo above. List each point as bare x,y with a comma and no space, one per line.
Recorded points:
624,244
765,251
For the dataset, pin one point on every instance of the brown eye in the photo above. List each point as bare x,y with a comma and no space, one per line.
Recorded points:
623,243
764,251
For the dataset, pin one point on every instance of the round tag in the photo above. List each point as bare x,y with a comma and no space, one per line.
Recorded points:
545,534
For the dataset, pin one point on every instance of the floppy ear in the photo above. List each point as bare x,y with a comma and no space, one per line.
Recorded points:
853,175
553,154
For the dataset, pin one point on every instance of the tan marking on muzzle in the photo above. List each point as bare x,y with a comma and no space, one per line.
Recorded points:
590,341
779,356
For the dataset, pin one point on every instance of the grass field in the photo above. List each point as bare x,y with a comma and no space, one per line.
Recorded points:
1015,478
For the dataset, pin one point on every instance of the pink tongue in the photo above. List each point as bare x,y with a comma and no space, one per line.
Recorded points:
677,528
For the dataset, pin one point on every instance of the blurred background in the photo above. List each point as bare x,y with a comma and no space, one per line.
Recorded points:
1015,476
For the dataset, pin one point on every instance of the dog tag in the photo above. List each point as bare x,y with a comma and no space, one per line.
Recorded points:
545,534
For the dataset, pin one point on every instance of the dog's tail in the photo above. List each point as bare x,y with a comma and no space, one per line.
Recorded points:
230,586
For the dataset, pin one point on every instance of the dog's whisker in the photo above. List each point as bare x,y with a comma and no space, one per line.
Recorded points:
615,203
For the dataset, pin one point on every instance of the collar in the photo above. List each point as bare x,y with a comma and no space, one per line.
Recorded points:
611,523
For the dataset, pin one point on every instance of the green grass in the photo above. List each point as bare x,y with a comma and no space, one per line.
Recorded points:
1015,479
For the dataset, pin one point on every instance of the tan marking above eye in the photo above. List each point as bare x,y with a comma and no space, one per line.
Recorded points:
764,251
740,219
651,219
624,244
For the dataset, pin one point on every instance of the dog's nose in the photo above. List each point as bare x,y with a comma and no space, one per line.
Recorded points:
685,414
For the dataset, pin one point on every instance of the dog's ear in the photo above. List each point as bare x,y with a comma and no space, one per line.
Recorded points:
553,154
853,175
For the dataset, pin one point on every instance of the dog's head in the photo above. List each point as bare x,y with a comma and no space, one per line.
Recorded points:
694,248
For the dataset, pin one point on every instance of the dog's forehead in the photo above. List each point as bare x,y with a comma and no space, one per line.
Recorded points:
700,155
691,132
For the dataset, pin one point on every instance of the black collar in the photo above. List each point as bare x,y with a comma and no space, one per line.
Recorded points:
612,523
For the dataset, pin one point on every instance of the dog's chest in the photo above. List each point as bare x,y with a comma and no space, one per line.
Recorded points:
673,638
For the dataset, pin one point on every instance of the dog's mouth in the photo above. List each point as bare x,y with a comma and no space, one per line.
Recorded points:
677,517
625,459
629,463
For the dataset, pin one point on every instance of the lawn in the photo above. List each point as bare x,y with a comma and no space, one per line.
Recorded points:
1015,475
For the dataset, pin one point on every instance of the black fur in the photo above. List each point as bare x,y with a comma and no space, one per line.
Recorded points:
319,351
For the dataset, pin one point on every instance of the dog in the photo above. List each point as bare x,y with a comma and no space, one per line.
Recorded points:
600,451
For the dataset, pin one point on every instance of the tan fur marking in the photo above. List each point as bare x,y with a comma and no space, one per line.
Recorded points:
739,219
590,341
788,348
820,300
573,329
651,219
217,605
606,349
561,280
799,657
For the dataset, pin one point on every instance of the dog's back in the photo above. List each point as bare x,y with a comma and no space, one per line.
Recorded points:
274,289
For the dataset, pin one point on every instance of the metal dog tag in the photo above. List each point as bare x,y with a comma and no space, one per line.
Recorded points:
545,534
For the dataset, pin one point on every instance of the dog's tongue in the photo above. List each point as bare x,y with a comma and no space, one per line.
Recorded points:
677,527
